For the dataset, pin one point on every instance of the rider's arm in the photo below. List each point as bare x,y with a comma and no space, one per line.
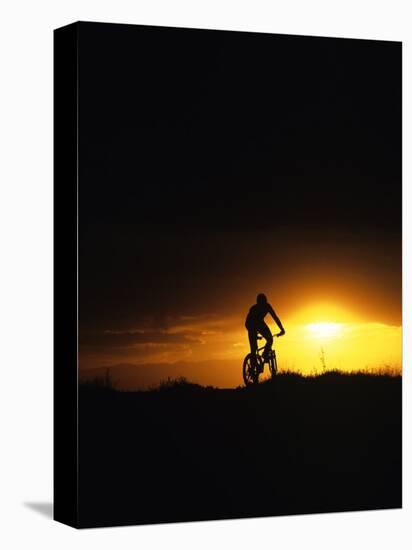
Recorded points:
277,321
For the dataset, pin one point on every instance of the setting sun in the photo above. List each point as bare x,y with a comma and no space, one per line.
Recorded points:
325,330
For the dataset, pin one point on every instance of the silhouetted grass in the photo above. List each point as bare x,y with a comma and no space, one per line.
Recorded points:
182,384
104,383
179,384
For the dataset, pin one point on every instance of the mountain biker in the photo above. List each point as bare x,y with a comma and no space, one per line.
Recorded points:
255,325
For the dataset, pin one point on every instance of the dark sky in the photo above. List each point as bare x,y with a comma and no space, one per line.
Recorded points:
217,164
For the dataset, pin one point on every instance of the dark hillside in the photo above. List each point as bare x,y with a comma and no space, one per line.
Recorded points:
295,445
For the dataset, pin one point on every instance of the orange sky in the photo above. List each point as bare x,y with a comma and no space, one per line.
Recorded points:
210,349
212,178
339,296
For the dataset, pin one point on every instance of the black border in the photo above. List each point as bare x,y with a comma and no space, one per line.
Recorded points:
65,275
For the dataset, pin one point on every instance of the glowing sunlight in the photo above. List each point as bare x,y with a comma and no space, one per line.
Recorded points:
325,330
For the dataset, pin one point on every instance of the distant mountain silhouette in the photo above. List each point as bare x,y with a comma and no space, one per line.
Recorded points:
143,376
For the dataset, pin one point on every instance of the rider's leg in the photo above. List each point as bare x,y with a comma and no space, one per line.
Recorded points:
267,335
253,344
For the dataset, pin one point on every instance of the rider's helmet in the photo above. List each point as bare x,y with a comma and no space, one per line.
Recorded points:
261,299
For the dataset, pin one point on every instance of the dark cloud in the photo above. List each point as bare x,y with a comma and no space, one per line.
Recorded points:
126,339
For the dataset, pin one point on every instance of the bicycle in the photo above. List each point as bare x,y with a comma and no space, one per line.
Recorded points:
251,372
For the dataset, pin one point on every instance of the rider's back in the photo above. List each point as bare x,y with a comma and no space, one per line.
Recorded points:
256,315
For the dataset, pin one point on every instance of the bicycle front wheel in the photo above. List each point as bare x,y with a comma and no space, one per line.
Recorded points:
250,372
273,365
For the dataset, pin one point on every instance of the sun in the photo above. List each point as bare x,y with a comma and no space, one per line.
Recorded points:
325,330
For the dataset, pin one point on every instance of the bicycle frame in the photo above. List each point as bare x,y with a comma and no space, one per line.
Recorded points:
262,338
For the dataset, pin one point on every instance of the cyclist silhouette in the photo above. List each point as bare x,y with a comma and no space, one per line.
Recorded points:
255,325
